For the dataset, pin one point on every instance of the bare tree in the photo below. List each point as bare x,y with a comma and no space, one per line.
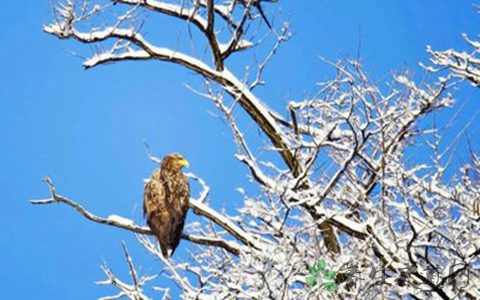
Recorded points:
344,189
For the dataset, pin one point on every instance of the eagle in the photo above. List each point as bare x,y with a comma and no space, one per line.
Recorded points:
165,202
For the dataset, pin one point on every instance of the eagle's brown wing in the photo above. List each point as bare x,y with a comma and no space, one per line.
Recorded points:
180,208
155,210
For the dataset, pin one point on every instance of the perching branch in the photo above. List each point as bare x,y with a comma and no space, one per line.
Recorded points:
129,225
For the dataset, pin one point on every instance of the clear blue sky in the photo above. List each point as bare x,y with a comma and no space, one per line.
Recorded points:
84,129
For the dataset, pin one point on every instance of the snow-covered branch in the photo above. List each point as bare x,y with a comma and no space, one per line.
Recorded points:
132,291
138,48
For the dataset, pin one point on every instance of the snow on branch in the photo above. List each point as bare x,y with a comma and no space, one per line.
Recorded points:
460,64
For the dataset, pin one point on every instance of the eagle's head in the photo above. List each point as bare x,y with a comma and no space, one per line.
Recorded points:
174,162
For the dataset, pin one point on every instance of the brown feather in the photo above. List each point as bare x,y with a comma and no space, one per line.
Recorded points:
165,203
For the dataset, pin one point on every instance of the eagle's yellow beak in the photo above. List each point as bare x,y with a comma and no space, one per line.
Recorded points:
184,163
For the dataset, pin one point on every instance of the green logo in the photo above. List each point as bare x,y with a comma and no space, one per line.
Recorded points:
314,279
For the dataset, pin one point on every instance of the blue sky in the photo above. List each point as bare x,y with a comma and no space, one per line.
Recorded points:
85,129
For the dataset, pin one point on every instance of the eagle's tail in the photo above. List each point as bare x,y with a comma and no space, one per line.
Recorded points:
166,252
